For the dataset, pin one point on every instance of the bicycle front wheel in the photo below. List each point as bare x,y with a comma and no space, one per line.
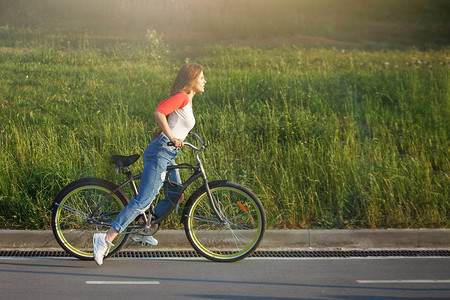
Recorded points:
71,224
238,235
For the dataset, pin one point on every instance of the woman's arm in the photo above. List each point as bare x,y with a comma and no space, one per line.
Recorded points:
161,120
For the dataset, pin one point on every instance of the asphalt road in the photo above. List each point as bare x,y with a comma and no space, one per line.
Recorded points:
324,278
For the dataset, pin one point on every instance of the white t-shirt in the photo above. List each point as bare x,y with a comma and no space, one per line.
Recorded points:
179,113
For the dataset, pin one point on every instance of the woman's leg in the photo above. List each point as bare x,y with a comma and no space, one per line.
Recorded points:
170,193
111,234
151,182
157,157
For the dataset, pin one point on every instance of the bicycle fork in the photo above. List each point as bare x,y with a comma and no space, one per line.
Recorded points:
213,202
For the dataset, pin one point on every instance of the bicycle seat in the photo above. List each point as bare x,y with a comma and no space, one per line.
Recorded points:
124,161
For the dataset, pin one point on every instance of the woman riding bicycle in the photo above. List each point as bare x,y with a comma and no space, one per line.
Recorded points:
175,119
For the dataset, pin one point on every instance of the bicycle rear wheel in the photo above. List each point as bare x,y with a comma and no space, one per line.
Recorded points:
71,225
235,238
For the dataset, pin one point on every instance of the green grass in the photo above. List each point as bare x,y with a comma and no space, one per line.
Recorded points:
327,137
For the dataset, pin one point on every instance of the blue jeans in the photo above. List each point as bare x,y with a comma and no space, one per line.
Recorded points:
156,157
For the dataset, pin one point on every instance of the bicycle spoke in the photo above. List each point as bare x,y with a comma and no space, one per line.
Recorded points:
239,243
239,223
239,236
242,227
86,205
75,211
205,219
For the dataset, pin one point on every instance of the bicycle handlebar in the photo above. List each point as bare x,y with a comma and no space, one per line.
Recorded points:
201,148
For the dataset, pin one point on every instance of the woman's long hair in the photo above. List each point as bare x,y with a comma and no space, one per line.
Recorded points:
186,78
185,81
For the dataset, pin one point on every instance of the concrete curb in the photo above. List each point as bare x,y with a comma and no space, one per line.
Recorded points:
273,240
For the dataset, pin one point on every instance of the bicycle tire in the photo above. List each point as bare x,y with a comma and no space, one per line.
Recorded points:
240,234
71,207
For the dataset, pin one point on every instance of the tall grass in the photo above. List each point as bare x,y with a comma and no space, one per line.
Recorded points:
327,138
336,139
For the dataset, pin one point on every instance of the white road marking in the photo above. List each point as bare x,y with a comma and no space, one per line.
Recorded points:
406,281
122,282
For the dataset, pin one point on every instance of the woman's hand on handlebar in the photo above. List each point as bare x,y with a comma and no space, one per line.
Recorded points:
201,148
177,142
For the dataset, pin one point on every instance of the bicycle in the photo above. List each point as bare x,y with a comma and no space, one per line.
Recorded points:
223,221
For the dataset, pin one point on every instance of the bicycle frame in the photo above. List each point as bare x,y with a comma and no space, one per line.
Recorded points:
198,172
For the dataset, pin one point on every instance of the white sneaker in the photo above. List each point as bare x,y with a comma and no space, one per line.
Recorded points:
101,247
144,239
